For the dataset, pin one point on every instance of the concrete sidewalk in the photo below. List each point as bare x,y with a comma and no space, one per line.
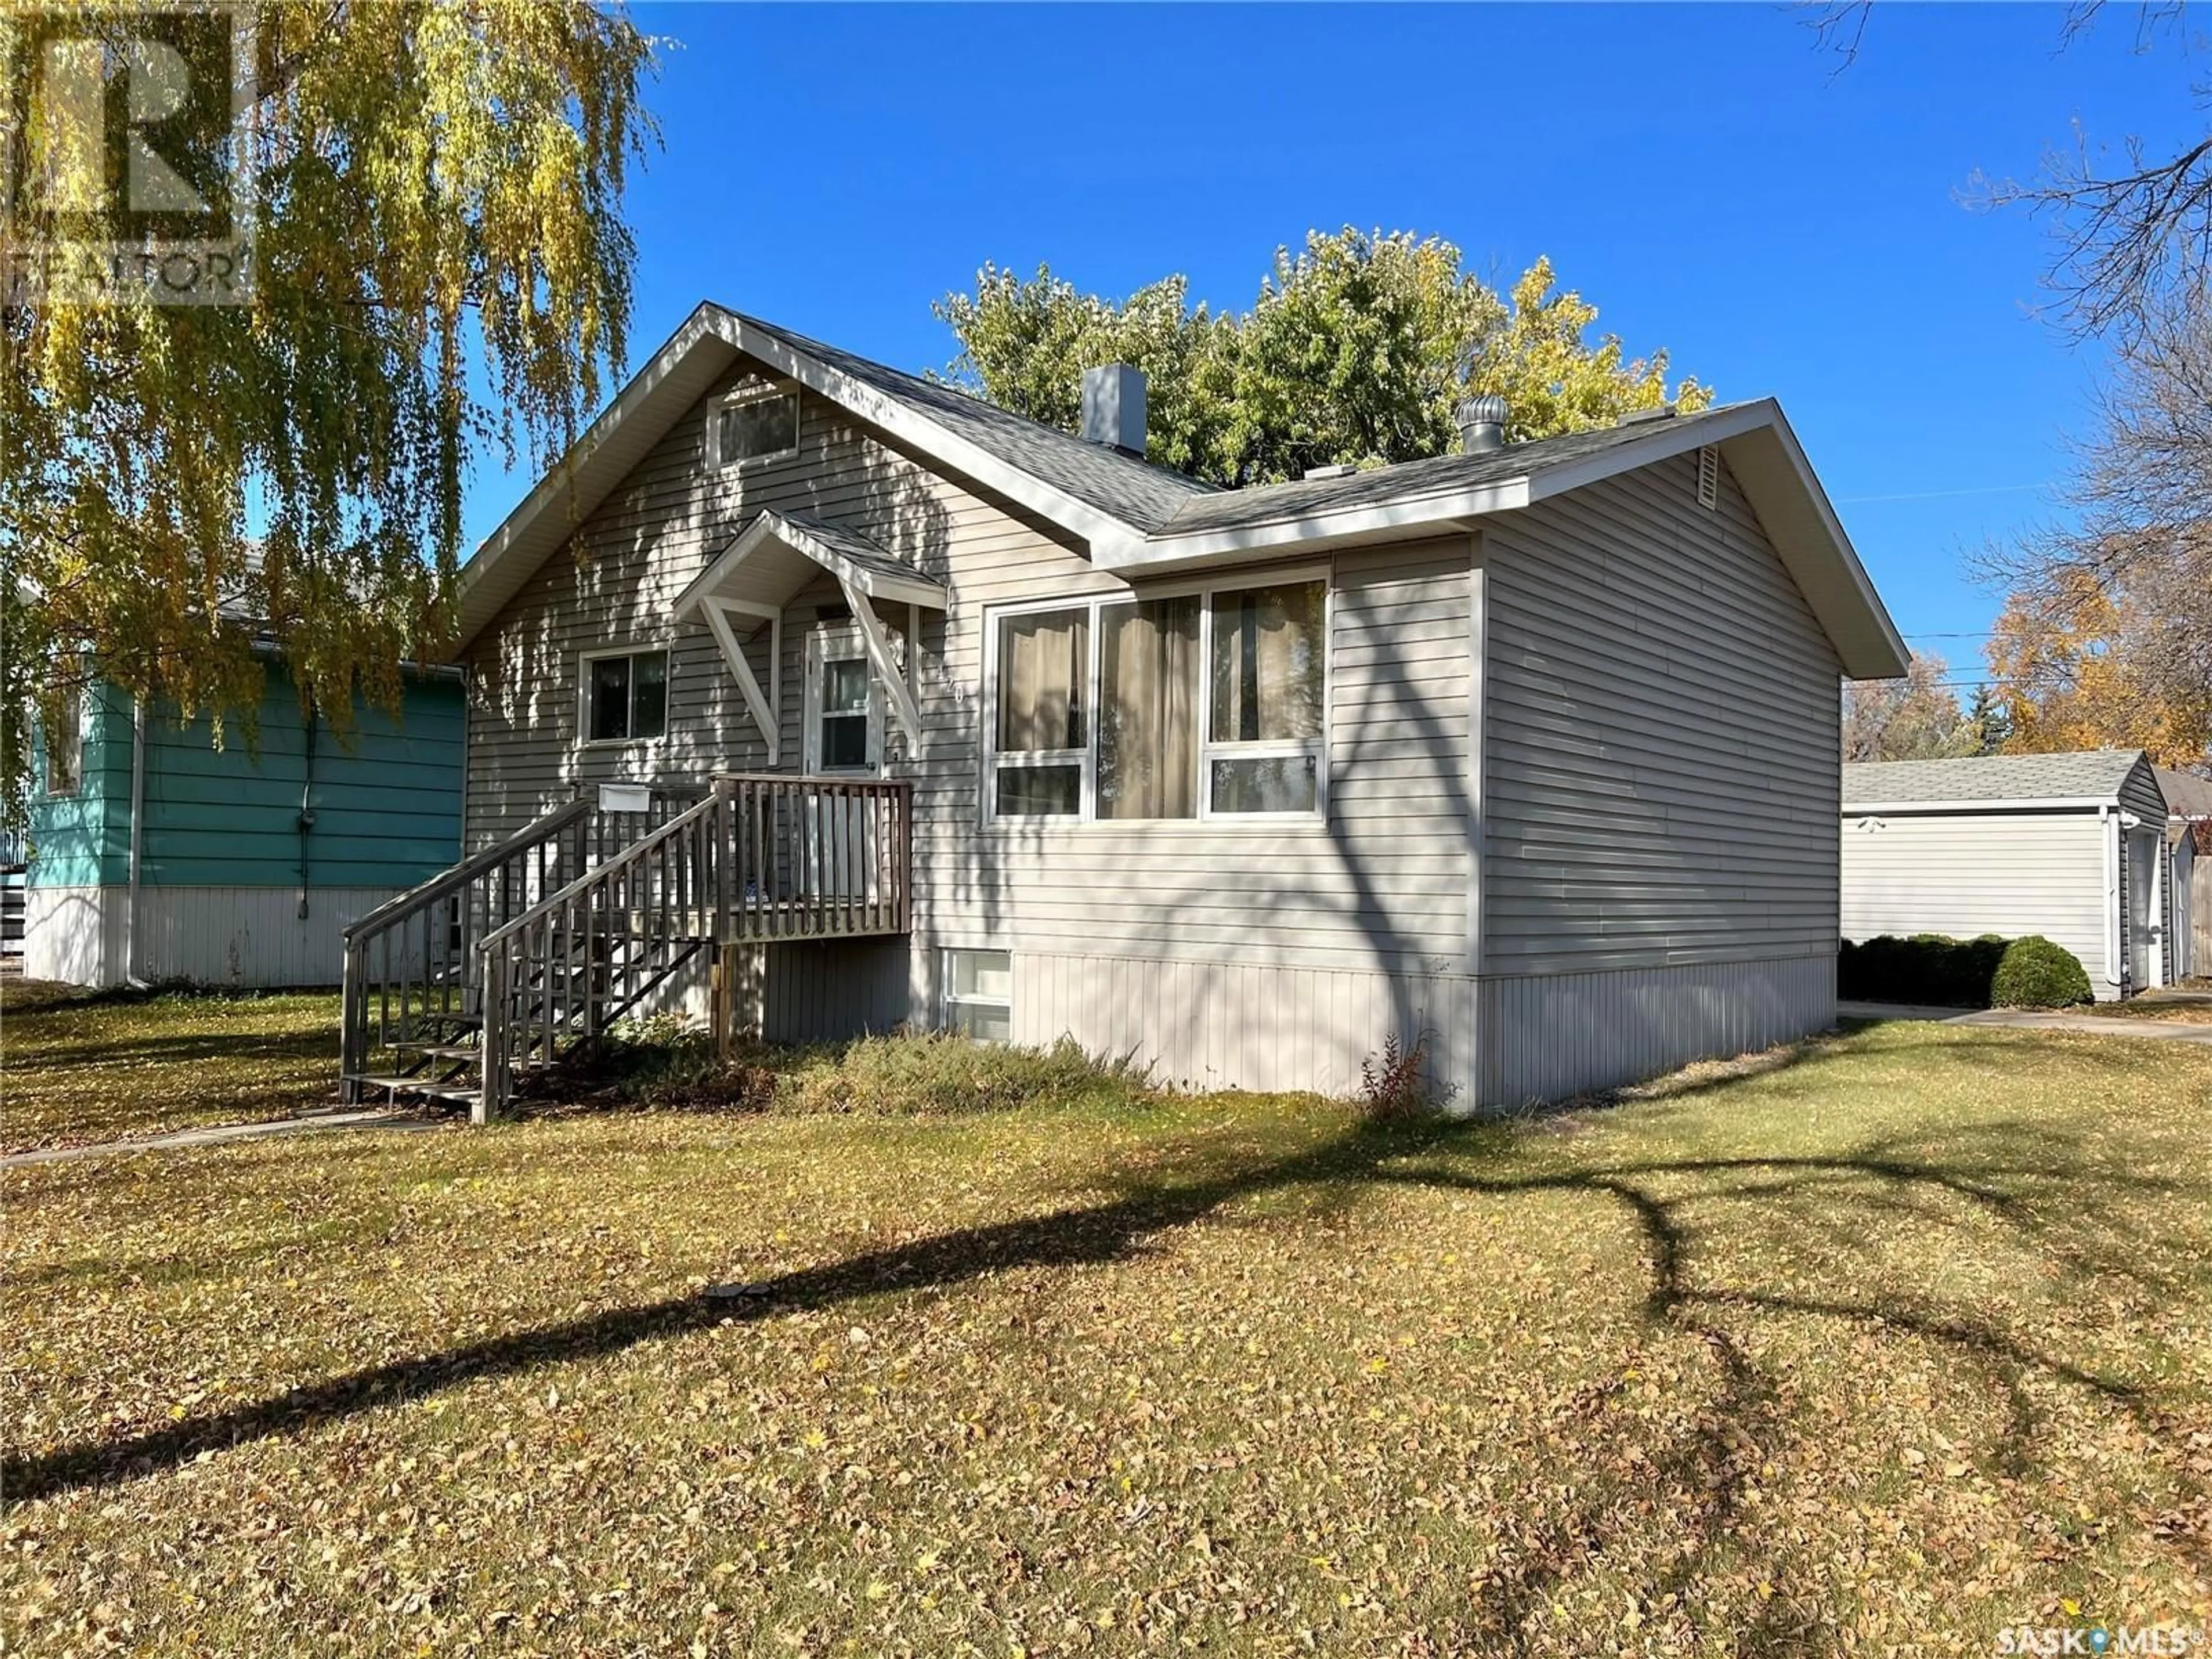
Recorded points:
223,1134
2023,1019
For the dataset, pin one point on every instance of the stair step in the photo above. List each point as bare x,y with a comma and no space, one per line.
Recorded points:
441,1050
457,1095
457,1022
415,1086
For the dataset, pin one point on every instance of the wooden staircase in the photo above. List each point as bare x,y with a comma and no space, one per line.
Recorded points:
522,954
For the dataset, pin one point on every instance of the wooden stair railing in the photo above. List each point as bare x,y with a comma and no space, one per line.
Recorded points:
515,957
413,992
569,966
411,980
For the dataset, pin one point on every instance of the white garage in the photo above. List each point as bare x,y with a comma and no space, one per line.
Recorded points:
2072,846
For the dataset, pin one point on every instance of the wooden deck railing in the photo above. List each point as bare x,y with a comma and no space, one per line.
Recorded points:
817,857
413,972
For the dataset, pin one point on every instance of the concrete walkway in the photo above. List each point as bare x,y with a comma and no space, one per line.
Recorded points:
223,1134
2021,1019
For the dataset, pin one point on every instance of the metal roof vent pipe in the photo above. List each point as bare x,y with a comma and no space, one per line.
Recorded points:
1114,408
1482,424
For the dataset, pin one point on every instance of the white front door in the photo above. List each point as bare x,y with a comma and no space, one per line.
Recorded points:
844,738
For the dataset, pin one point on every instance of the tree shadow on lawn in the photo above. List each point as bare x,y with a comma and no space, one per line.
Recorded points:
177,1048
2052,1193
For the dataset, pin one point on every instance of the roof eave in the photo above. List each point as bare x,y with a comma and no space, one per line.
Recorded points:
1761,450
925,435
2001,803
487,580
1164,554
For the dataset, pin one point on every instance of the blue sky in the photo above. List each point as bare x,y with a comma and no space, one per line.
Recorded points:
1701,174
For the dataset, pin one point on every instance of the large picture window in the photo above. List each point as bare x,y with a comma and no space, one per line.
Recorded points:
1211,703
1148,709
625,696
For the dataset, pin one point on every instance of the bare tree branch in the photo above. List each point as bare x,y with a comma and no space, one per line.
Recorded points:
2129,582
2127,238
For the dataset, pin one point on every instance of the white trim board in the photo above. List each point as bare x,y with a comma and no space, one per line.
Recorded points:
2029,804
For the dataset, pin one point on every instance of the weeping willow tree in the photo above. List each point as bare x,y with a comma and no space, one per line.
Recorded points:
429,259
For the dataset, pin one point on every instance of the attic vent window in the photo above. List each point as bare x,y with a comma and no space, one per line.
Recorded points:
1709,477
755,425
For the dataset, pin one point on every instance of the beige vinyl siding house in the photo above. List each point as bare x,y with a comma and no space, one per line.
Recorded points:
2072,846
1527,754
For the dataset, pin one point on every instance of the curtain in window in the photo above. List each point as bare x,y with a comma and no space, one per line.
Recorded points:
1043,670
1148,710
1267,660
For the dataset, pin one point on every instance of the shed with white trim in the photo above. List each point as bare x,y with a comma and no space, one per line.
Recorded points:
2069,846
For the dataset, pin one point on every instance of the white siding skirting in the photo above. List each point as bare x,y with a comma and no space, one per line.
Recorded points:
1547,1036
1240,1026
228,936
74,934
1493,1044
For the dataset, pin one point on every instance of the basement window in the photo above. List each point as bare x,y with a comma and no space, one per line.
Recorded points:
979,995
625,696
755,425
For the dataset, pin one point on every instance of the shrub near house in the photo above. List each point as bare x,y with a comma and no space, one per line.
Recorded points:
1942,972
2037,973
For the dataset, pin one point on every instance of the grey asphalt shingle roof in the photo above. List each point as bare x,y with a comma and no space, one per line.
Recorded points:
1444,475
2187,795
1133,491
1158,501
2090,773
851,544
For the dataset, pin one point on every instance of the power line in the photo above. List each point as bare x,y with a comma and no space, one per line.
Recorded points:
1940,494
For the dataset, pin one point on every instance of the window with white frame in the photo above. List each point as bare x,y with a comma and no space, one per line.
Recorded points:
1148,721
756,423
1208,703
1043,745
1263,739
65,744
979,994
625,696
842,736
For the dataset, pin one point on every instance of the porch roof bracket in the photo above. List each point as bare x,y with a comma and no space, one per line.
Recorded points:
880,654
718,619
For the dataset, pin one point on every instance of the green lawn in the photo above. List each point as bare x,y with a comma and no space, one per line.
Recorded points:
1873,1349
80,1068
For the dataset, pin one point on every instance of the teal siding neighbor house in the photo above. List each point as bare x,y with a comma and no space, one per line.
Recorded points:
236,867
